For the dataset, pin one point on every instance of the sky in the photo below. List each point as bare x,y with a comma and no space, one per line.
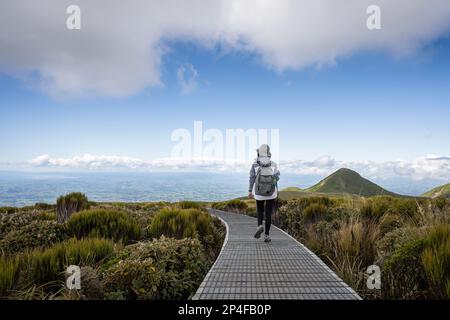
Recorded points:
113,93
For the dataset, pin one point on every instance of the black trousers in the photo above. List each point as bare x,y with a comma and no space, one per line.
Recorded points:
265,208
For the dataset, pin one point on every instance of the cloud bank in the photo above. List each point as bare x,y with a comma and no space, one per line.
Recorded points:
120,48
428,167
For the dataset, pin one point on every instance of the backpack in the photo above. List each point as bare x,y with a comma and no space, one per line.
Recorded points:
265,182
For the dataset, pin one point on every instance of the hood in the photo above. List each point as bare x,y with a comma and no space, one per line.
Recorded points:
264,151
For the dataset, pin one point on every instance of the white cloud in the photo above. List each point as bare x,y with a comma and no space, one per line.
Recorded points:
187,78
428,167
120,47
41,161
89,161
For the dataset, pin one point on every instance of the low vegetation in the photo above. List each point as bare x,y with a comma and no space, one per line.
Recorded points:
188,223
163,250
104,223
125,250
43,266
409,239
69,204
235,205
8,273
164,268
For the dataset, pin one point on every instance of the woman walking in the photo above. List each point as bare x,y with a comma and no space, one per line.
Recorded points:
264,175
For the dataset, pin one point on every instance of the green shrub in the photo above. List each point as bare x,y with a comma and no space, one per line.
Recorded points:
37,234
102,223
305,202
376,207
42,266
69,204
179,224
436,260
405,275
136,206
417,262
234,205
8,209
13,221
388,223
408,237
314,212
161,269
143,214
292,213
46,215
92,288
440,203
395,239
8,273
252,213
355,239
44,206
189,223
291,217
189,205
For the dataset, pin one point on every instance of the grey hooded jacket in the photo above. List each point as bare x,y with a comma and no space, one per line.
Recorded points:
264,158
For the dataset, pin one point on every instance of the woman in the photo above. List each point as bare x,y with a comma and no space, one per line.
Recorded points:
264,176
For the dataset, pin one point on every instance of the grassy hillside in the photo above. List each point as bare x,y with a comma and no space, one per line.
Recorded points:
346,181
290,195
295,189
441,191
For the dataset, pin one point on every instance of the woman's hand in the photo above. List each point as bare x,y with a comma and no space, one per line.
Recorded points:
250,195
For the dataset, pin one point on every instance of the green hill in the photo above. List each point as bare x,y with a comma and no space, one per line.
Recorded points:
289,195
346,181
441,191
292,189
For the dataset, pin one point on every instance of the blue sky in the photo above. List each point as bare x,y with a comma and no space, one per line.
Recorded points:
338,97
367,106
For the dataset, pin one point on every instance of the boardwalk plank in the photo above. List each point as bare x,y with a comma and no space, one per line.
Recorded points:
248,268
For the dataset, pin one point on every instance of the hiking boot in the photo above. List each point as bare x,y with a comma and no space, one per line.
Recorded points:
267,238
259,230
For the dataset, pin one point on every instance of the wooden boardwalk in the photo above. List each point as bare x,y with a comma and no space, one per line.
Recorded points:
249,268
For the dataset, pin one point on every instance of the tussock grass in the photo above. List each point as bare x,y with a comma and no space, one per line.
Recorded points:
179,223
8,272
436,260
189,223
235,205
69,204
189,205
43,266
102,223
408,238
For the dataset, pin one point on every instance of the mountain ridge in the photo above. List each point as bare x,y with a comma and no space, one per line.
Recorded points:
440,191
